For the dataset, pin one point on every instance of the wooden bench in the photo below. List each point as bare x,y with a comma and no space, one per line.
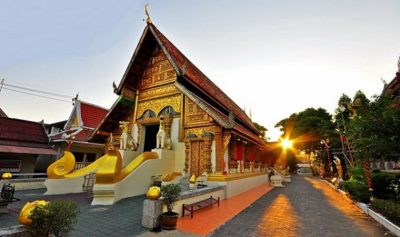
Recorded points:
198,205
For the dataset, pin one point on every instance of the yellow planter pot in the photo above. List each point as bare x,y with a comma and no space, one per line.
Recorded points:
6,175
154,193
27,209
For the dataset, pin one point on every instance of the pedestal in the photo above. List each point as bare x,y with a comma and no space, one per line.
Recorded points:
152,209
276,181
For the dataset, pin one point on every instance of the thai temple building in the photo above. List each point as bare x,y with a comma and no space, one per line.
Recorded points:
79,127
169,120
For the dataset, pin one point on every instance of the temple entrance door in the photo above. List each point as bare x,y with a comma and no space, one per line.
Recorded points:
197,160
150,136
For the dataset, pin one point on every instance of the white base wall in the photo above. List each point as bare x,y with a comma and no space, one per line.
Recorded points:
63,186
238,186
136,183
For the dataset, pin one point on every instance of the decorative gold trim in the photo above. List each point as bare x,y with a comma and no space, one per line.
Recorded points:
215,116
157,105
182,120
199,132
161,91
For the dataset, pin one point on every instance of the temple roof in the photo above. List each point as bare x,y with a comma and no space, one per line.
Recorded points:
2,114
22,133
187,73
83,120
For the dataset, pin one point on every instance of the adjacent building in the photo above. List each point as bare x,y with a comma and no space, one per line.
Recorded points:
73,134
22,144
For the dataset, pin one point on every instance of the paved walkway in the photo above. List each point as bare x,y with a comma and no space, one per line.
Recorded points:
307,207
207,220
124,217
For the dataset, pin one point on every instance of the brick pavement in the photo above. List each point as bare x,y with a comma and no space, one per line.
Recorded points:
121,219
306,207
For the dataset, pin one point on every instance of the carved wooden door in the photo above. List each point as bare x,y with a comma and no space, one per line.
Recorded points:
197,164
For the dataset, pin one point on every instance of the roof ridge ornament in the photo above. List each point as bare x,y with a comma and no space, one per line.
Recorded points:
146,11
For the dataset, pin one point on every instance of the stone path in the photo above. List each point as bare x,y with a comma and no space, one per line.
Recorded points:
121,219
307,207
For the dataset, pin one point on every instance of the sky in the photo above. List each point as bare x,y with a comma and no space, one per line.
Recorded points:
274,58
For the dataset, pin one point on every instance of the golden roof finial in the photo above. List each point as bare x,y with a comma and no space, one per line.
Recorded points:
146,11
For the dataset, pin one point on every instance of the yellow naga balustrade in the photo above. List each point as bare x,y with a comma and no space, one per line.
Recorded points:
108,168
62,166
132,166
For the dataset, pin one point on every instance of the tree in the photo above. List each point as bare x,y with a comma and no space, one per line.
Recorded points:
343,103
375,131
308,127
261,128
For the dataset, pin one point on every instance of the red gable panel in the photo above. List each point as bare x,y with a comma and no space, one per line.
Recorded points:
92,115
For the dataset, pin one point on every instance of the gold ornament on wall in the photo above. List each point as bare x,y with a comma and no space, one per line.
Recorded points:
157,105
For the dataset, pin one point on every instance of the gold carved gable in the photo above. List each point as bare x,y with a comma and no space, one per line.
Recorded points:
194,114
75,121
156,105
159,71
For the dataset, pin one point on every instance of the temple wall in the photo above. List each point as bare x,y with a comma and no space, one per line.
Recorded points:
177,147
213,156
237,186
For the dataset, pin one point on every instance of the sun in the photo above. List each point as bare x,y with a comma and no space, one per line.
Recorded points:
286,143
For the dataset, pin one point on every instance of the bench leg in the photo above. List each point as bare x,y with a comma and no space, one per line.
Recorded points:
183,210
218,201
191,212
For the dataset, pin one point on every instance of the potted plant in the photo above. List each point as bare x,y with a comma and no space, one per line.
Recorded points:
170,194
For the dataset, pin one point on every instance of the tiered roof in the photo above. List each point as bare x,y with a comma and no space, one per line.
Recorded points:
21,136
192,82
84,118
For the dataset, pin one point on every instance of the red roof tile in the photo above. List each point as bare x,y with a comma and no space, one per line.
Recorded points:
92,114
16,132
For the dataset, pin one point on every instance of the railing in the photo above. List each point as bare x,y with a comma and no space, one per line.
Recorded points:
247,167
80,165
28,175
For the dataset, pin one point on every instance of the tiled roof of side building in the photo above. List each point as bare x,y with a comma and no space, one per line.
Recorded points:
2,114
202,81
92,115
19,132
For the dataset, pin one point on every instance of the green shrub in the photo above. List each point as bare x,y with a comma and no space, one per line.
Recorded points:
55,219
357,173
357,189
388,208
381,182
